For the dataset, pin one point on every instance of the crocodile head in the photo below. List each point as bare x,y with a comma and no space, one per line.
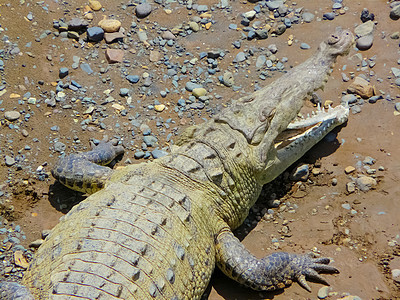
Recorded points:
285,99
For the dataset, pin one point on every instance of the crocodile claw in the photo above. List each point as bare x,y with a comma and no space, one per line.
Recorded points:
309,267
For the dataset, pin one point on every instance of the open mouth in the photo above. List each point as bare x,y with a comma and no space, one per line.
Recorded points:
313,127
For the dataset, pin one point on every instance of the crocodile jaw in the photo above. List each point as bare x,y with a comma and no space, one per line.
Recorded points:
315,128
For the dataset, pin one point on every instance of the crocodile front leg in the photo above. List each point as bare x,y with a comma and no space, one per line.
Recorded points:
86,172
272,272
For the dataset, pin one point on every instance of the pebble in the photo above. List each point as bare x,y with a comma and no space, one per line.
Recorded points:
395,12
346,206
150,140
364,29
77,24
350,187
228,79
199,92
158,153
329,16
323,292
349,99
63,72
397,106
365,42
143,10
168,35
308,17
110,25
349,169
133,78
194,26
304,46
86,68
159,107
95,5
240,57
300,173
9,161
123,92
365,183
112,37
260,62
396,275
361,87
114,55
12,115
396,72
59,147
190,86
95,34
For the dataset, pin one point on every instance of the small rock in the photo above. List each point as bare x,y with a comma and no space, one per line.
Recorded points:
329,16
190,86
260,62
366,16
395,12
124,92
20,260
159,107
199,92
86,68
323,292
349,169
154,55
110,25
304,46
158,153
9,161
240,57
95,34
364,29
59,147
365,42
77,24
350,187
95,5
346,206
150,140
396,275
114,55
194,26
349,99
300,173
112,37
397,106
12,115
36,244
395,35
361,87
365,183
143,10
308,17
168,35
228,79
63,72
133,78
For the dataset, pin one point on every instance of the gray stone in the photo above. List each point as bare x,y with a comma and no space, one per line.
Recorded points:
12,115
308,17
323,292
346,206
9,161
133,78
396,275
304,46
95,34
240,57
143,10
142,35
397,106
366,28
139,154
262,34
150,140
77,24
190,86
273,48
86,68
365,183
349,99
63,72
272,5
300,173
228,79
123,92
158,153
365,42
396,72
395,12
329,16
59,146
260,62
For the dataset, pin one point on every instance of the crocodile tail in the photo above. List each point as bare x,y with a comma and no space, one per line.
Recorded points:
14,291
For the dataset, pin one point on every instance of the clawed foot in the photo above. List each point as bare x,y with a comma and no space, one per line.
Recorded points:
308,267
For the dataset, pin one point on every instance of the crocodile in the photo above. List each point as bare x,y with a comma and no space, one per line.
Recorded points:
157,230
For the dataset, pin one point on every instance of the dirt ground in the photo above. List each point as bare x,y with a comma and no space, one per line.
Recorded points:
359,230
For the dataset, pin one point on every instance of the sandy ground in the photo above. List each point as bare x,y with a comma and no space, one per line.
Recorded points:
363,241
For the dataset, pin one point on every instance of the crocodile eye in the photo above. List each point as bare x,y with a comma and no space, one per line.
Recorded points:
333,39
